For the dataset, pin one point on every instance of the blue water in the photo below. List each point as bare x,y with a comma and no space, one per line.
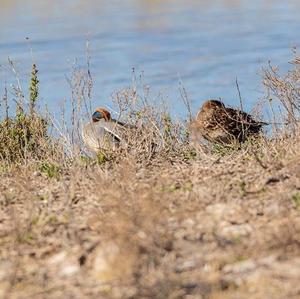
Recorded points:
205,44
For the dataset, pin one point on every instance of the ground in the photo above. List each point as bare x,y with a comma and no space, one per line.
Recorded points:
210,227
168,216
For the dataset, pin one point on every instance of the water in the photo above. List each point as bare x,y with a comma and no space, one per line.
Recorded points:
206,44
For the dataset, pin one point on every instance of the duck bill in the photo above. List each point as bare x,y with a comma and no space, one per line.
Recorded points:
96,116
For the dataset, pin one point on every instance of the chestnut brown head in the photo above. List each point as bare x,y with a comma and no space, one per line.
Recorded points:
101,113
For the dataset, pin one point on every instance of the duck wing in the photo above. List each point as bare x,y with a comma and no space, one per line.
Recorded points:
102,135
241,124
243,117
122,124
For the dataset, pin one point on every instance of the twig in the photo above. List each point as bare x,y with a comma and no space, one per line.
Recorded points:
185,99
239,93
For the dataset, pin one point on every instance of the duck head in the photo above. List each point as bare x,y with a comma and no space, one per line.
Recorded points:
101,113
212,104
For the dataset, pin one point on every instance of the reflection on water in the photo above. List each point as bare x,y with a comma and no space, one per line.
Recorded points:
206,44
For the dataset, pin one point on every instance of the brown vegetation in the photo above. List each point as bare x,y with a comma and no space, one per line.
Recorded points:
161,218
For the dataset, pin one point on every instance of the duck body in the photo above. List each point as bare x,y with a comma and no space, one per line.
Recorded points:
225,125
103,132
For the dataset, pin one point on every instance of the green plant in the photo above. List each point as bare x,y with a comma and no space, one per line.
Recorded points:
102,157
23,134
296,199
50,170
33,89
222,150
167,127
190,154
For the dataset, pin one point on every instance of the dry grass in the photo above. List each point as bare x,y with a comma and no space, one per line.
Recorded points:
163,218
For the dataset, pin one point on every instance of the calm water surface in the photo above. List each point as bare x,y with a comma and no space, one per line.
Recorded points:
206,44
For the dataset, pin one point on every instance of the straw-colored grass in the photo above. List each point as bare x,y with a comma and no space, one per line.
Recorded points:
162,218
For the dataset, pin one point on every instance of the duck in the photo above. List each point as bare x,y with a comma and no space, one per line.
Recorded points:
103,132
224,125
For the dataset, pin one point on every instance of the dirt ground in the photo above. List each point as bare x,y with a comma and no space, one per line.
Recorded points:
211,227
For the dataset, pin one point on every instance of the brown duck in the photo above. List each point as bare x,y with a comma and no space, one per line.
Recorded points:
225,125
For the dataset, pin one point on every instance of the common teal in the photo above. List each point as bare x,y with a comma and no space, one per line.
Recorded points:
103,132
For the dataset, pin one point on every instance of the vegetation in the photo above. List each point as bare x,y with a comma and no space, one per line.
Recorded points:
168,216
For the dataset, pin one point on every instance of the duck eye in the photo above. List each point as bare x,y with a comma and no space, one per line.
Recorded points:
97,116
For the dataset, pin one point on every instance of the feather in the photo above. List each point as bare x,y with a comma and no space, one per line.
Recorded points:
221,124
